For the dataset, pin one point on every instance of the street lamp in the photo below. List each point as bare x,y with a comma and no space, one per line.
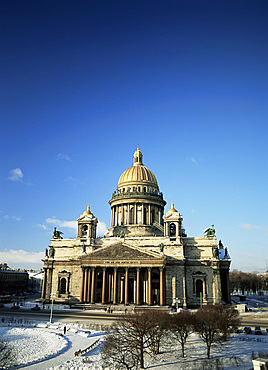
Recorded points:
52,296
177,301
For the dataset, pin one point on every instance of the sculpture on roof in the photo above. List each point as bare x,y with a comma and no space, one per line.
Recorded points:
210,232
161,246
221,244
57,234
51,252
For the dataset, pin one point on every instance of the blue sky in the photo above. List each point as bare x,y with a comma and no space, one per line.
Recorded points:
84,82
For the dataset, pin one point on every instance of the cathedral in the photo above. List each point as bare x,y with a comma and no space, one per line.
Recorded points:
145,258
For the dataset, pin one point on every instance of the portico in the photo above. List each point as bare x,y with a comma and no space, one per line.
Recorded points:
133,277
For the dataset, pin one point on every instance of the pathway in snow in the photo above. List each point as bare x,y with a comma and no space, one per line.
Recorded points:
76,342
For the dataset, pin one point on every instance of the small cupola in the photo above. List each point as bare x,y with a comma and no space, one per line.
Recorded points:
137,157
87,225
173,223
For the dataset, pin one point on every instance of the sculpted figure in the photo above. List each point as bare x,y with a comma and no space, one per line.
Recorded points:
210,232
161,246
57,234
51,252
215,252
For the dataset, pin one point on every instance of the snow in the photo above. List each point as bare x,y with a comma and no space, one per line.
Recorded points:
33,345
47,345
56,352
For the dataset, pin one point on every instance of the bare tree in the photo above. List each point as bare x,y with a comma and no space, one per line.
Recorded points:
208,321
135,335
158,330
229,320
246,282
117,352
137,327
181,326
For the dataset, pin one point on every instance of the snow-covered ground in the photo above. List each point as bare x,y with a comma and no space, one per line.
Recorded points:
56,352
48,348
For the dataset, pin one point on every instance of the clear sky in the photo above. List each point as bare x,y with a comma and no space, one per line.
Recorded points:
84,82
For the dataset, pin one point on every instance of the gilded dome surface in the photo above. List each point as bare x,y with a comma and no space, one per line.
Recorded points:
137,173
172,209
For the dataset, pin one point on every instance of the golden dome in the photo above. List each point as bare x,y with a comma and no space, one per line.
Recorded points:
172,209
137,173
87,212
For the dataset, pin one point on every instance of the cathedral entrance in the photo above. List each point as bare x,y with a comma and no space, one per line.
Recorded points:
123,285
131,291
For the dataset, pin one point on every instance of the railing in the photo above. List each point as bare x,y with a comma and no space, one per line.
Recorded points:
158,226
139,194
80,352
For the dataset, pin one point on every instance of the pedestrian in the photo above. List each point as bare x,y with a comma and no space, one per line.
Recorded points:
64,330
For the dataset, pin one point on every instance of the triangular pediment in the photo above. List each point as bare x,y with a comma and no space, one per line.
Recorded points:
123,252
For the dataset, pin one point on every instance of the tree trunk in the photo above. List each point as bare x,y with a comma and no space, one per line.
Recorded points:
182,350
142,360
208,351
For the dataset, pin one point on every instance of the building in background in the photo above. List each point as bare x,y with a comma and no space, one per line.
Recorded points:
35,281
145,258
12,281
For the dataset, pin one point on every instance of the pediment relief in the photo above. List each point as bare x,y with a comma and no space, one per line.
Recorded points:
121,251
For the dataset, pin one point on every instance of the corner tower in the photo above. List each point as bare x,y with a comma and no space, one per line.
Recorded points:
137,206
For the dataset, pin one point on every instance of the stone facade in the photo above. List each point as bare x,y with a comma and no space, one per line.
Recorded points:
145,258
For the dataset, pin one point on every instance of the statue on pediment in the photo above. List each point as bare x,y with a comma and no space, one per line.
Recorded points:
161,246
51,252
57,234
210,232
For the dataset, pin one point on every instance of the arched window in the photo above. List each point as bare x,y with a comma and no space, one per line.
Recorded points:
63,286
145,216
199,287
161,221
172,230
131,216
84,230
152,216
115,216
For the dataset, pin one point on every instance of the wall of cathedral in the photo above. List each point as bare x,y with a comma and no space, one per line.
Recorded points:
201,274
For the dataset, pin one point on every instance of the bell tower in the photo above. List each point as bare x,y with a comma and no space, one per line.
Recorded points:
87,225
173,224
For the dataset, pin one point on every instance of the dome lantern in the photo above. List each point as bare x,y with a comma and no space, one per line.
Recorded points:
137,157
